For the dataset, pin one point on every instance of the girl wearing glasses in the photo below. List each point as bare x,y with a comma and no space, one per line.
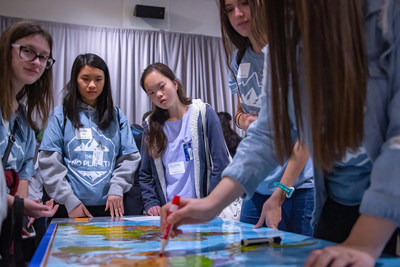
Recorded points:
26,93
26,82
88,157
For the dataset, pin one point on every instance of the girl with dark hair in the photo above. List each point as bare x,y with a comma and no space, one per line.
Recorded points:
174,149
87,158
335,64
270,205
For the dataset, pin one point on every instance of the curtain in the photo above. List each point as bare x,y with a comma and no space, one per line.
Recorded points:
198,62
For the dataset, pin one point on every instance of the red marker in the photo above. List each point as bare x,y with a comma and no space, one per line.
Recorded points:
164,239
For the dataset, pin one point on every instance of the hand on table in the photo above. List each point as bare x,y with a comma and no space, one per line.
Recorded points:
79,211
154,211
272,211
338,256
116,205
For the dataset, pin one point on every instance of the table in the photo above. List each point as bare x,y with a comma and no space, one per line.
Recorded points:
135,241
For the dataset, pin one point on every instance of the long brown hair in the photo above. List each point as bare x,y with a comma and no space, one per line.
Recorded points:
39,95
155,140
231,39
336,71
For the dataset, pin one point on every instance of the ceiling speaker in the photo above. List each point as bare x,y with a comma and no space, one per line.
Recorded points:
153,12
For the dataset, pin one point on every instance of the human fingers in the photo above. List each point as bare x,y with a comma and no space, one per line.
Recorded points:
121,206
154,211
342,261
86,212
53,211
163,215
31,221
271,222
312,258
157,210
49,203
106,206
52,208
33,209
260,222
114,204
24,232
327,256
186,214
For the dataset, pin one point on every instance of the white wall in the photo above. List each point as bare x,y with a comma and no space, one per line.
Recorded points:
187,16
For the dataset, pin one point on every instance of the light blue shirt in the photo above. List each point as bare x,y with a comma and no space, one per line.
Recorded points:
88,153
249,75
179,168
23,149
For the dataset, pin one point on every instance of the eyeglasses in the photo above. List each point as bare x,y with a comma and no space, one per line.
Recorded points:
28,54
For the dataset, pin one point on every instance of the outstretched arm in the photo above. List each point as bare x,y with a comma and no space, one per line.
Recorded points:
53,172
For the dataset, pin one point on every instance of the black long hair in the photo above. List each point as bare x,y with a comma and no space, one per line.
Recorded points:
72,98
156,141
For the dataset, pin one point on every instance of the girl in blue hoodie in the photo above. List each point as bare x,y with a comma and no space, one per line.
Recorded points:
87,158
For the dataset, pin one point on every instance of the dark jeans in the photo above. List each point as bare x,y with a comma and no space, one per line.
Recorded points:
337,220
296,211
133,204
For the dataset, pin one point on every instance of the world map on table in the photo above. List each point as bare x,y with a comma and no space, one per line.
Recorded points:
137,243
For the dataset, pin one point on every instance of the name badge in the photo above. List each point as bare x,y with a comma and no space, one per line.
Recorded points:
176,167
83,133
187,149
243,71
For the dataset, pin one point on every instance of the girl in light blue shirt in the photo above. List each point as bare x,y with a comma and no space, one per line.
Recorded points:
87,158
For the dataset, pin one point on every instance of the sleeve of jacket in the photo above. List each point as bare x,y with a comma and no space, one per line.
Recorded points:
123,175
255,156
53,172
218,150
146,179
380,198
